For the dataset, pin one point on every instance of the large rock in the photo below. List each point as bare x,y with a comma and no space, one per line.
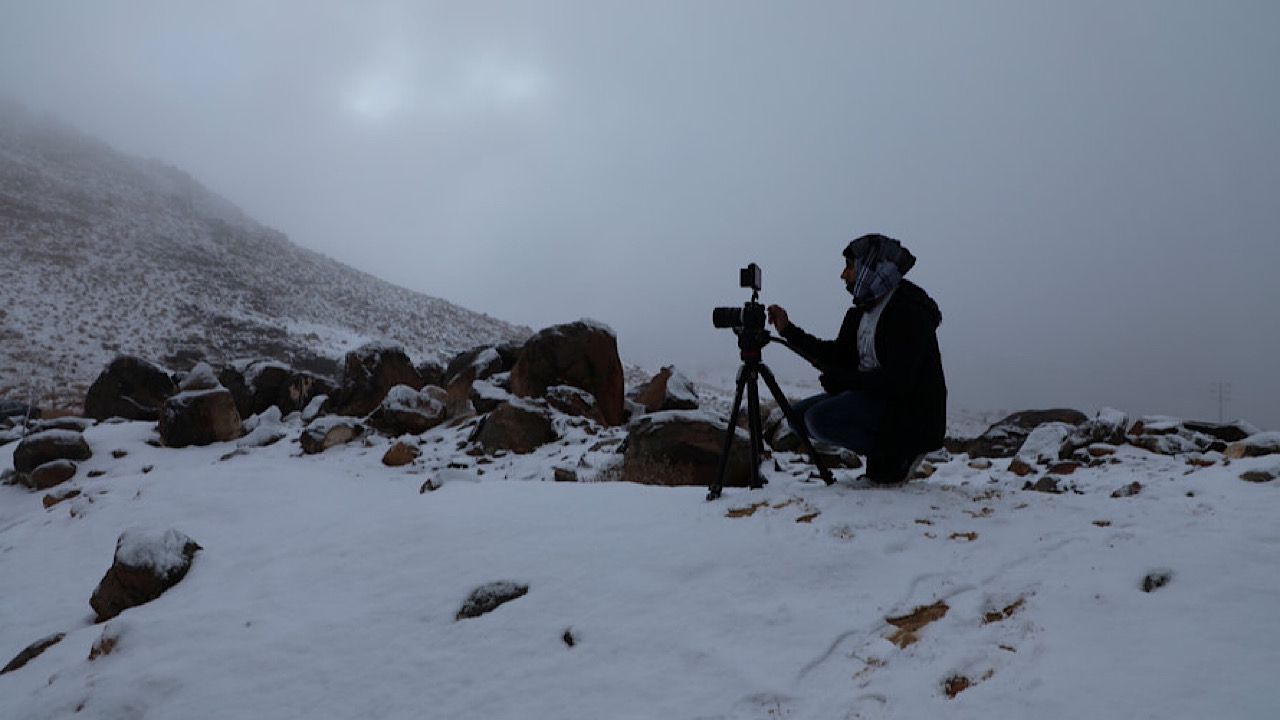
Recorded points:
517,426
200,417
1003,438
573,401
405,411
368,375
39,448
668,390
146,564
1256,445
469,368
682,447
50,474
1226,432
262,384
129,387
582,354
326,432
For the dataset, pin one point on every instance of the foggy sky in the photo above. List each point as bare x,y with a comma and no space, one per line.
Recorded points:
1091,187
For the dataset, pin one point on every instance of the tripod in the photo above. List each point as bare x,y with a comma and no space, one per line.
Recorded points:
751,341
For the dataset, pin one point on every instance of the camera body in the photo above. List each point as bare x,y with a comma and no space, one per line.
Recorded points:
748,321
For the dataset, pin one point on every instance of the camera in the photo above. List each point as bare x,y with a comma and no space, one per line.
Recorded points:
751,315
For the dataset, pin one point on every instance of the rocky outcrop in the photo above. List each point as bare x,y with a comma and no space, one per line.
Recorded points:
573,401
42,447
329,431
1004,438
682,447
130,388
667,390
369,373
405,411
581,354
200,417
518,426
146,564
263,384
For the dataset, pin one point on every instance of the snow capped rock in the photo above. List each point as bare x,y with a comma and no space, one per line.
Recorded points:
163,551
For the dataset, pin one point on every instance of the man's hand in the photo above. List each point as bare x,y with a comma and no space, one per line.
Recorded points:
778,317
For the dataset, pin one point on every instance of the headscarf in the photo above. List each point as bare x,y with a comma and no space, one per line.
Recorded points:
881,261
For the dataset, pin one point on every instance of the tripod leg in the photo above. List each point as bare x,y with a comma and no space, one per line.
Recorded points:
713,490
797,423
755,430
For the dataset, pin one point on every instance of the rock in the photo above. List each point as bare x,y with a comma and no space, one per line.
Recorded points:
32,651
52,499
1226,432
1177,442
1129,490
668,390
146,564
582,354
368,375
573,401
14,409
263,384
489,597
1020,467
201,377
1107,427
682,447
39,448
1156,580
1063,468
130,388
406,411
486,396
400,454
74,424
981,464
1255,445
263,429
432,372
1261,476
200,417
1098,450
1005,437
565,475
1043,443
326,432
479,363
1046,484
54,472
1156,425
518,426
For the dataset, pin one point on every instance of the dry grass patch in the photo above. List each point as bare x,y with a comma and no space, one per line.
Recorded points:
911,624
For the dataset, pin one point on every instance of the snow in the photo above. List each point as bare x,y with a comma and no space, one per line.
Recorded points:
1044,442
598,325
329,587
680,387
159,550
314,407
263,429
59,437
201,377
428,401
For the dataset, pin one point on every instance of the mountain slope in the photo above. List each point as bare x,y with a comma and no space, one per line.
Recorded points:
105,253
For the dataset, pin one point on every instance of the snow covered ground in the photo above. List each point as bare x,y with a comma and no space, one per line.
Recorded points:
328,585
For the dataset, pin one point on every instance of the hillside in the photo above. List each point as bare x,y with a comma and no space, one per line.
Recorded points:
103,253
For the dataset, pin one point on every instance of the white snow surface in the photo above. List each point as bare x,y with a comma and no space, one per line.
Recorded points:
159,550
328,586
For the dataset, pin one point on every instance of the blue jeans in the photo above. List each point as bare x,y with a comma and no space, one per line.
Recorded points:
848,419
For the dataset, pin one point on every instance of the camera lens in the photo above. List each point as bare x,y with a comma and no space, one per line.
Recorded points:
726,317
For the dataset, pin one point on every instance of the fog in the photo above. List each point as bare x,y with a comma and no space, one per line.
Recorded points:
1091,187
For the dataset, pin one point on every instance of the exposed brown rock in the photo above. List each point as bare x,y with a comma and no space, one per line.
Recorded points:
518,426
326,432
200,417
1129,490
1020,467
405,411
129,387
39,448
145,565
682,447
401,453
50,474
369,374
910,625
32,651
580,354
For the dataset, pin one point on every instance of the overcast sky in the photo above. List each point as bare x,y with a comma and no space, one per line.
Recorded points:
1092,187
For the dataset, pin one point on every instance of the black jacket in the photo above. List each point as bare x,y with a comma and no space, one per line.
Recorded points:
910,376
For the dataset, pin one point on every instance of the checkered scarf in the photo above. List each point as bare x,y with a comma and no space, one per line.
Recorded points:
881,261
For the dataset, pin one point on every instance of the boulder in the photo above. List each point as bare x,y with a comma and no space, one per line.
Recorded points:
1004,438
263,384
573,401
518,426
146,564
130,388
405,411
668,390
200,417
200,377
13,409
478,362
326,432
1156,425
1255,445
401,453
682,447
582,354
1226,432
369,373
1107,427
50,474
432,372
39,448
485,396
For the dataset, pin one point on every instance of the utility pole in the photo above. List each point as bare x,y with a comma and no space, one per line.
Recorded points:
1222,392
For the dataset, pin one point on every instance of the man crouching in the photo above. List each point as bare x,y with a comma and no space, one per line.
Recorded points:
886,397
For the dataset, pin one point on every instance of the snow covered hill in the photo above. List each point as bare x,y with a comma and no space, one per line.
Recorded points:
102,253
329,586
